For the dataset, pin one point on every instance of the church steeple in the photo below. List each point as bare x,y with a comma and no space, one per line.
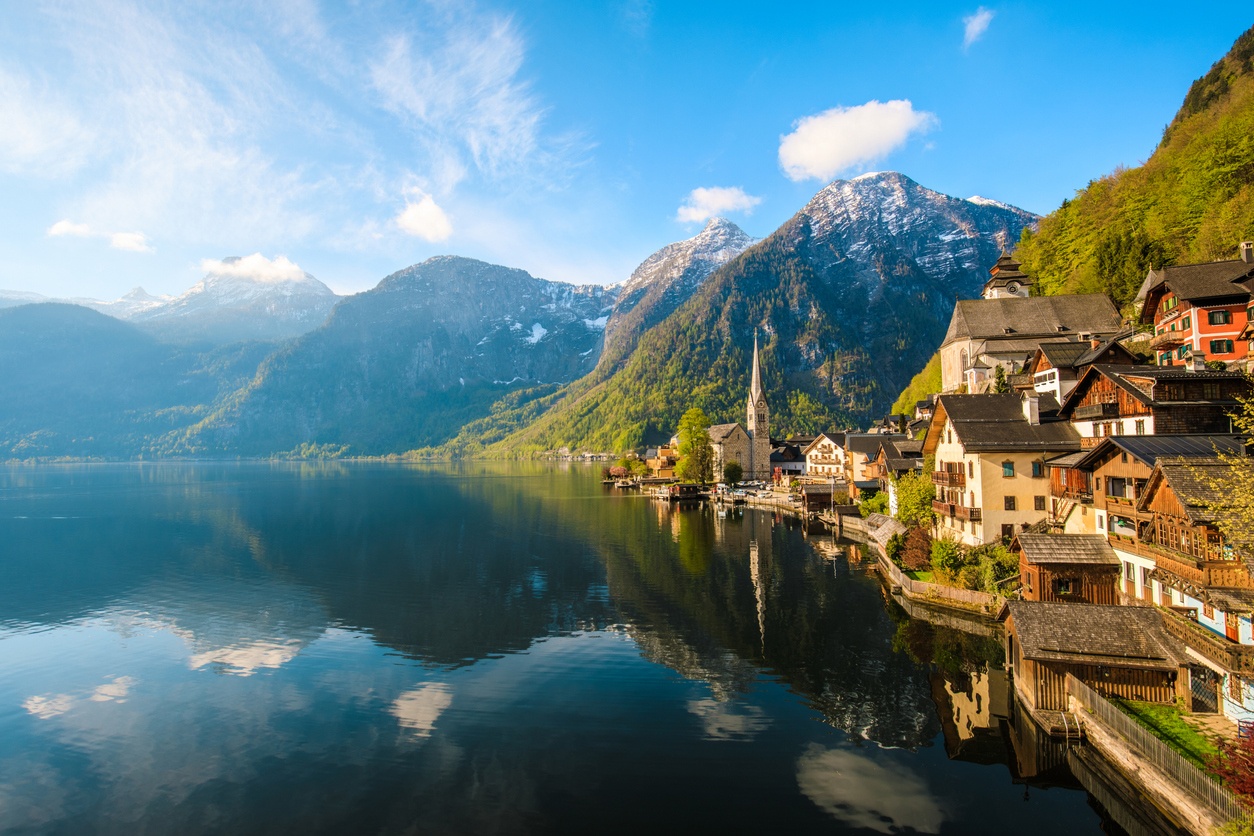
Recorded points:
758,422
755,386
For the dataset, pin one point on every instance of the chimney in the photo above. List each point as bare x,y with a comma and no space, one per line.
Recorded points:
1095,343
1032,410
1196,363
1247,252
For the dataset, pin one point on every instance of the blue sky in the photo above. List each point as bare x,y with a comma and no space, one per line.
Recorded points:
139,140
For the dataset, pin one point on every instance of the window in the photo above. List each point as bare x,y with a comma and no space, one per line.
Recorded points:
1219,317
1140,426
1170,303
1007,469
1097,484
949,436
1007,532
1039,503
1210,391
1123,456
1145,578
1010,503
1221,346
970,470
1165,360
1208,611
1118,428
1186,323
1183,351
1038,470
1129,572
1062,586
1116,486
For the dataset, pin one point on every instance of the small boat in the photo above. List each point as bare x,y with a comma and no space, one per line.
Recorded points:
624,483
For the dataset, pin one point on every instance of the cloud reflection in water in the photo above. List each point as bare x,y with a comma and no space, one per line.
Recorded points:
867,793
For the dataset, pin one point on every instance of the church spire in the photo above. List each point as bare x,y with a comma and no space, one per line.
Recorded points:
755,386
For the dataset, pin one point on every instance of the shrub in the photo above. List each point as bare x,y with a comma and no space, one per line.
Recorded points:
874,504
916,555
948,557
1235,765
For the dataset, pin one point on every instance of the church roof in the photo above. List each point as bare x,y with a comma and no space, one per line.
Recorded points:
1018,318
722,432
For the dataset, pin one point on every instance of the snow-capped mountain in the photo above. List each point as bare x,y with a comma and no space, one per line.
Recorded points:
133,304
13,298
410,361
250,298
665,280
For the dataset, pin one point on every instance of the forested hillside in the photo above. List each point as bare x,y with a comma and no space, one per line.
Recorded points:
1192,201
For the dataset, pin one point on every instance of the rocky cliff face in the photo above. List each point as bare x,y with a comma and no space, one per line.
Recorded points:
664,281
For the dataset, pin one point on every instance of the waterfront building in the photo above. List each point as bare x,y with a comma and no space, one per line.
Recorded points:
1152,400
1118,651
1068,568
1199,310
825,456
662,460
1006,331
990,470
748,445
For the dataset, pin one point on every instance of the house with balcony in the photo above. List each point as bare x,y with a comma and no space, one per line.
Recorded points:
1006,331
1056,366
861,450
1199,310
1152,400
990,471
825,457
1202,582
662,460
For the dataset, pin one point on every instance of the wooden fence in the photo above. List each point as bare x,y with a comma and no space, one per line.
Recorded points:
1200,786
968,598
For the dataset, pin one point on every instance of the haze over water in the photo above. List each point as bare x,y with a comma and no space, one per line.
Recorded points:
488,648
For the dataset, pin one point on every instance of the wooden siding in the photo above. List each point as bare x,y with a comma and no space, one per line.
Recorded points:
1049,683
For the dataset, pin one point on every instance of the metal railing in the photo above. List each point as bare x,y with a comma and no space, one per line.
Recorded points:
1171,763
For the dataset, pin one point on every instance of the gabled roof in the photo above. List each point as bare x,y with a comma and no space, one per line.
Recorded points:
721,432
1035,316
1150,448
1138,381
868,444
1194,283
835,438
1074,354
1093,634
1189,480
1067,548
901,454
992,423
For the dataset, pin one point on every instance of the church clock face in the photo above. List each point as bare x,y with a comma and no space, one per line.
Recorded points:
761,404
1013,287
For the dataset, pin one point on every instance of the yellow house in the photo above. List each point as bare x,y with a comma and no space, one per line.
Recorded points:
990,473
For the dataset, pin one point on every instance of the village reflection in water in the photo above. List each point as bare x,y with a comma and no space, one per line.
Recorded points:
484,647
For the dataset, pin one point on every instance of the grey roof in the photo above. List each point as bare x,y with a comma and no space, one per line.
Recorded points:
1074,354
1150,448
1191,282
1233,600
1040,316
902,454
1069,460
1067,548
1191,480
990,423
1094,634
720,432
868,444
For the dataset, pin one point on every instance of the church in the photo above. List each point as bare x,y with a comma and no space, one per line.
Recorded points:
749,444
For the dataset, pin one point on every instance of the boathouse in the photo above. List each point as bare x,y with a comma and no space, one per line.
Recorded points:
1118,651
1070,568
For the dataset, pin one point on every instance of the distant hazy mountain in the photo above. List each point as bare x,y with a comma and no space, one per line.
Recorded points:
411,361
13,298
74,382
138,301
664,281
236,303
850,297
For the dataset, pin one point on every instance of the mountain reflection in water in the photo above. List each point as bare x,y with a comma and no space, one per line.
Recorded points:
502,647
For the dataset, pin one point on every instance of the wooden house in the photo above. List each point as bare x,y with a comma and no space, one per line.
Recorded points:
1057,365
1199,311
1118,651
1069,568
1150,400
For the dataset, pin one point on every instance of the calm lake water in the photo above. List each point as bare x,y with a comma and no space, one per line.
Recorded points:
498,648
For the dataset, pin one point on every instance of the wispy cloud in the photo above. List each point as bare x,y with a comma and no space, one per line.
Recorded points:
256,267
705,203
976,24
40,136
135,242
843,138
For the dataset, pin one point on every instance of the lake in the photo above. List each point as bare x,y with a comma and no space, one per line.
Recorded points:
477,648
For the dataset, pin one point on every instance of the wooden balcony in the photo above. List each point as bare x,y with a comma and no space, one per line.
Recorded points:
1227,654
1097,410
962,512
949,479
1167,339
944,509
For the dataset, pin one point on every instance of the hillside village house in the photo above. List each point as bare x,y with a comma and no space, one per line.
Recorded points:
1073,568
1202,583
1199,310
986,333
1056,367
990,470
825,457
662,460
1152,400
860,450
787,459
896,458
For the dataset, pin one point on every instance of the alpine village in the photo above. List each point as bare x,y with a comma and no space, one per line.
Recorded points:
1067,466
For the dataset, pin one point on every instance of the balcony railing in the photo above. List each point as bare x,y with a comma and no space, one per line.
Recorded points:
962,512
1167,339
949,479
944,509
1225,653
1097,410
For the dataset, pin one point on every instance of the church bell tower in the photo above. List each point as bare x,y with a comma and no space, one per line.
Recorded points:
758,424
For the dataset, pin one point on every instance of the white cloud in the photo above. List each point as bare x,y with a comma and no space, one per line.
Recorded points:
135,242
704,203
975,26
68,227
867,793
424,219
417,710
846,137
48,706
116,690
256,267
246,658
723,720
